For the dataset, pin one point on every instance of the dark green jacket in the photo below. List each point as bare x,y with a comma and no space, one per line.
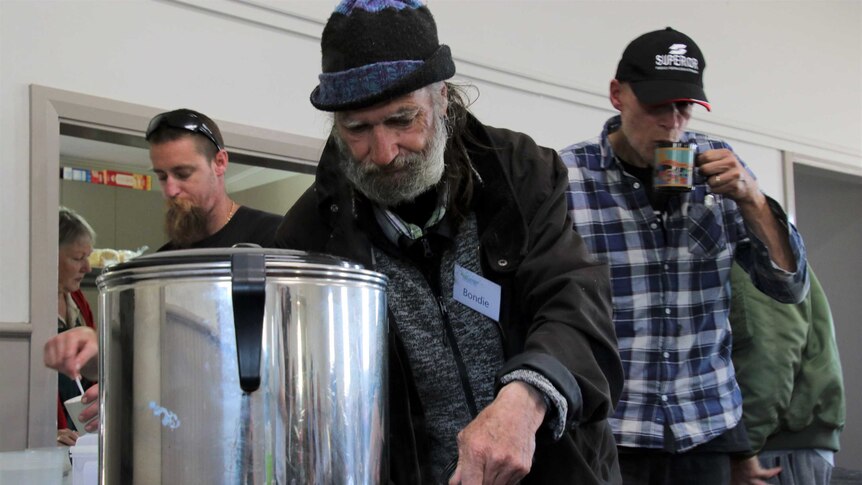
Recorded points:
787,365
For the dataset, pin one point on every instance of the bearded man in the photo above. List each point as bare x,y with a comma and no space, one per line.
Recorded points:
503,361
189,158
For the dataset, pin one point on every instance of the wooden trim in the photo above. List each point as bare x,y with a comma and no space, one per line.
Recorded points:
15,330
44,200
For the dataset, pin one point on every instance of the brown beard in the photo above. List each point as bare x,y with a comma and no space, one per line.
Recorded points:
185,223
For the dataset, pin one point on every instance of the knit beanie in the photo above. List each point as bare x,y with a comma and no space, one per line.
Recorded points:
377,50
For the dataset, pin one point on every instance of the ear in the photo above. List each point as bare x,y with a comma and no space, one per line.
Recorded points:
615,94
220,163
444,91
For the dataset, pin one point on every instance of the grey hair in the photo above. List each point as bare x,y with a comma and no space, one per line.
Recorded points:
73,227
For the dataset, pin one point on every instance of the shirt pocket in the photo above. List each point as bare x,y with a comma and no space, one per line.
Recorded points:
706,235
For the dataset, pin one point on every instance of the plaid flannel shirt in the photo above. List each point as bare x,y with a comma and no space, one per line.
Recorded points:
671,293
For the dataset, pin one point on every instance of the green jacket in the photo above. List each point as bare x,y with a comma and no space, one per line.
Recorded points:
787,366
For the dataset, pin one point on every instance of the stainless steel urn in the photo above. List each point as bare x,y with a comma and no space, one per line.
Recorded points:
242,366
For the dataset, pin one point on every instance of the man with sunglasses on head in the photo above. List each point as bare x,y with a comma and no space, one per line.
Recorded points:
678,421
189,158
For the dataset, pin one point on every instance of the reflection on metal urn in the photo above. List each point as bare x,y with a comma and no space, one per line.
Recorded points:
242,366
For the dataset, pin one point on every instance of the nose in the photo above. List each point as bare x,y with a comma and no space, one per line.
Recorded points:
170,187
85,268
384,146
670,116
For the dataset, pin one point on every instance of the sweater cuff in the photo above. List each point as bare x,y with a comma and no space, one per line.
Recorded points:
555,417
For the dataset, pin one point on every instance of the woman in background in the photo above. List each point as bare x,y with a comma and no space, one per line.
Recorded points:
73,312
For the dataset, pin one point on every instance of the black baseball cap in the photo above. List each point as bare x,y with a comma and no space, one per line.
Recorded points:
664,66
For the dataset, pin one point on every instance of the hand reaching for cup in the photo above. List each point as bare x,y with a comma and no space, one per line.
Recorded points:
74,353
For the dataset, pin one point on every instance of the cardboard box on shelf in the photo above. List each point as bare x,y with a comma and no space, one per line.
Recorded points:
108,177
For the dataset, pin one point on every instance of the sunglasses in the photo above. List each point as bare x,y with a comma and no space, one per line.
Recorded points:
182,120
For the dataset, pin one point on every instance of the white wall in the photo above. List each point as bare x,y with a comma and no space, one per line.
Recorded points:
782,75
778,72
147,52
775,67
827,240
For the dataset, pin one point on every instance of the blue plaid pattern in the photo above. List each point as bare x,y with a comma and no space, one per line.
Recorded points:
671,291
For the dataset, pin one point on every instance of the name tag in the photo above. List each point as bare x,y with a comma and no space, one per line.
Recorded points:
477,293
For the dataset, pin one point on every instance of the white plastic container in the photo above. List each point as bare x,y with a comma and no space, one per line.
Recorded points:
85,460
39,465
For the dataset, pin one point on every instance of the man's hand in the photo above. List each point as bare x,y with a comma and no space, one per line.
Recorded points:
90,414
749,472
73,352
497,447
725,175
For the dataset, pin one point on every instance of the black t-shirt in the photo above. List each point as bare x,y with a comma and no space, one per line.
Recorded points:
657,200
246,226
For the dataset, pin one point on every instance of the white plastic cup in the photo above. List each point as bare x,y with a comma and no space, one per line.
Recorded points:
74,406
39,465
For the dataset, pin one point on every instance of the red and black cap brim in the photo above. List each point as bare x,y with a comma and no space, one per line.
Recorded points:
666,91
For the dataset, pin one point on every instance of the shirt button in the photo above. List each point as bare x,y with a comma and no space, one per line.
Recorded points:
636,185
665,354
653,225
663,398
667,311
502,263
333,208
666,267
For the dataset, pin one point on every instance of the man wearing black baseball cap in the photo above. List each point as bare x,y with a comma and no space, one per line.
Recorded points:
503,362
670,256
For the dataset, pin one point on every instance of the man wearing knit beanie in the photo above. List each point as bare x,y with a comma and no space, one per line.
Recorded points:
503,361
